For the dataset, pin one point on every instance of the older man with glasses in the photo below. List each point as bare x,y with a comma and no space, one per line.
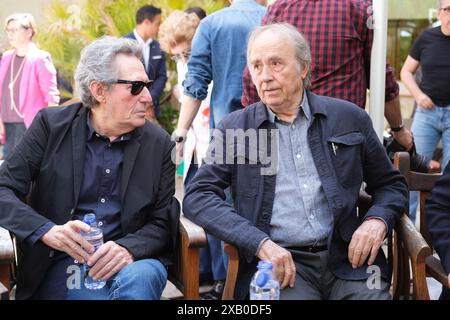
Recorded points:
100,156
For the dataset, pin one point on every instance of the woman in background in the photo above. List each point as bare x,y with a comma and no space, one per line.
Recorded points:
175,37
27,80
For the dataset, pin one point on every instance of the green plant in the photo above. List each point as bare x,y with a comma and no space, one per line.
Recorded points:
67,29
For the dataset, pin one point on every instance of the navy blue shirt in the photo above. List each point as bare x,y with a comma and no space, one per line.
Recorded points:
100,193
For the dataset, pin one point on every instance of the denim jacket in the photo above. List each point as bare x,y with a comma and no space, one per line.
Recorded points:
219,54
346,152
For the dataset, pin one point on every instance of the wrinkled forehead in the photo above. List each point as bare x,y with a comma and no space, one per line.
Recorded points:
270,45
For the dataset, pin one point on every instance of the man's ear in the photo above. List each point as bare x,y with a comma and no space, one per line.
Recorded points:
305,69
98,90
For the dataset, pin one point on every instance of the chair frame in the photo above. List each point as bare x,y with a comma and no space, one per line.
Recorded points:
422,183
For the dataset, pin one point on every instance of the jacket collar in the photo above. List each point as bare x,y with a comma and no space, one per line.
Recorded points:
316,106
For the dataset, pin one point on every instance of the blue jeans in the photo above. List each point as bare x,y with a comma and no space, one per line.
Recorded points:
141,280
429,126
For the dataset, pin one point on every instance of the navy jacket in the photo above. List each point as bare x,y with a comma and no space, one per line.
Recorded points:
438,218
359,157
46,169
156,71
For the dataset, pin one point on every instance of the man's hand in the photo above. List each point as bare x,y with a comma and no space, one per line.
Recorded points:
424,101
434,166
109,259
404,137
366,240
283,265
67,238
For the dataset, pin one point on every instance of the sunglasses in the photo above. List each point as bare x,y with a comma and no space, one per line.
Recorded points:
136,86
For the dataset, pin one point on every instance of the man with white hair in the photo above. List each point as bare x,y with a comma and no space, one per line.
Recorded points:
100,156
301,215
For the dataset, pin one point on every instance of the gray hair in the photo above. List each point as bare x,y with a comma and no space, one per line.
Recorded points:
301,46
97,64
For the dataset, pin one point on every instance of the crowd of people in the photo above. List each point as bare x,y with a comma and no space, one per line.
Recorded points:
274,138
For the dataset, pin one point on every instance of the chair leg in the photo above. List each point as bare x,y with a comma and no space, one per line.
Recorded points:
233,266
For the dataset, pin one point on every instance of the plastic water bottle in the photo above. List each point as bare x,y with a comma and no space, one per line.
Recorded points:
95,237
264,285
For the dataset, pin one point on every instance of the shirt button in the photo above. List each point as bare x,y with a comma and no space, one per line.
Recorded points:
293,126
107,171
102,200
305,186
312,217
298,156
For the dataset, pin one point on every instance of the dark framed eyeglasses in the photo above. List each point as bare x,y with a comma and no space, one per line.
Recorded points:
184,54
136,86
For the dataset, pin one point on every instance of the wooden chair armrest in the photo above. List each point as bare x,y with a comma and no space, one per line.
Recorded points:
186,274
418,250
436,270
193,235
233,266
413,241
6,247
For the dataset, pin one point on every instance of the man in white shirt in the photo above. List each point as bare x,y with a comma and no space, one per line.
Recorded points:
148,19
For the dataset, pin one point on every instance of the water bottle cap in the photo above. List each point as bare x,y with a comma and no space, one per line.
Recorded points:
261,279
89,219
264,265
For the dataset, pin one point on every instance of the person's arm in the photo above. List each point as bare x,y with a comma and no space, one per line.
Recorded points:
188,111
46,75
17,173
407,76
196,82
394,117
389,193
438,217
386,186
205,201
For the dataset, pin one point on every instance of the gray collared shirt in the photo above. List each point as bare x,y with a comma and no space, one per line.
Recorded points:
300,215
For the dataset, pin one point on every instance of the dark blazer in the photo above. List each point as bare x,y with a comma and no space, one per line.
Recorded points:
359,156
46,169
438,217
156,71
